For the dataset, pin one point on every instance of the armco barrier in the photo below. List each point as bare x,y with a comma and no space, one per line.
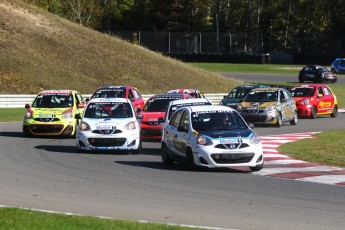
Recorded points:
19,100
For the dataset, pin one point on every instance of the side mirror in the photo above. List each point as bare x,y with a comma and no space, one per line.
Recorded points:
77,116
138,110
87,100
140,116
224,97
161,120
251,125
80,105
182,129
27,106
319,95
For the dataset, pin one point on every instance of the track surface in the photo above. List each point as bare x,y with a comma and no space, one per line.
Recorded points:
47,173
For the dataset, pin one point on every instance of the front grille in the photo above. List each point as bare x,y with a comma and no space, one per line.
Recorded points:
254,111
46,128
107,131
105,142
47,119
232,146
151,123
232,158
151,132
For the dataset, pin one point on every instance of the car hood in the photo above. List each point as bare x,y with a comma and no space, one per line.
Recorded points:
54,111
238,133
298,99
258,104
152,116
107,123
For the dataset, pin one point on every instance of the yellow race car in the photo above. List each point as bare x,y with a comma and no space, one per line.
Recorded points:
53,113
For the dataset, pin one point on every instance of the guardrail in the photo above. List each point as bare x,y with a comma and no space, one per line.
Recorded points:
19,100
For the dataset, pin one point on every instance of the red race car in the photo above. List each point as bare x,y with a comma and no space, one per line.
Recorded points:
314,99
154,113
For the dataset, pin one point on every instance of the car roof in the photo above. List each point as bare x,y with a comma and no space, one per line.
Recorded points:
188,100
110,99
57,92
266,89
253,86
183,90
309,85
199,108
115,87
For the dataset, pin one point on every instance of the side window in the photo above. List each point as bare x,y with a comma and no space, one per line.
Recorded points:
184,120
287,95
136,93
319,91
281,96
130,94
79,98
327,91
175,120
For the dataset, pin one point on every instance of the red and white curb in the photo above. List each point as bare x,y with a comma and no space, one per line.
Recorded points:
282,166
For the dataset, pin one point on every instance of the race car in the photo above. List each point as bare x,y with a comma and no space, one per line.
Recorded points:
211,136
314,99
192,92
52,113
109,124
154,113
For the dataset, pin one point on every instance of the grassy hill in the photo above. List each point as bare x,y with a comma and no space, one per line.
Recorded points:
40,51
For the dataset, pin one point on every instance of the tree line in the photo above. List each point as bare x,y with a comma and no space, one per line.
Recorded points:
311,27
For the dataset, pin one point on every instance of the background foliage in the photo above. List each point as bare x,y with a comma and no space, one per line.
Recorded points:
283,26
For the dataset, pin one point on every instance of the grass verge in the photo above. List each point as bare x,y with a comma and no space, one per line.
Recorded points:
327,148
15,218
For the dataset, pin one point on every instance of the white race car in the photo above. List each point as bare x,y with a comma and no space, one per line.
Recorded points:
211,136
109,124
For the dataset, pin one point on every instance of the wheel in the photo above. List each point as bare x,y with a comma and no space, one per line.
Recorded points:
165,155
26,132
313,113
335,111
190,160
138,150
300,79
295,119
279,121
257,168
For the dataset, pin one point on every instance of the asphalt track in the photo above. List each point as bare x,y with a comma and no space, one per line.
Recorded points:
47,174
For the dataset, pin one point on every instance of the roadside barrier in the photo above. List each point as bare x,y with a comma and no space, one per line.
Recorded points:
19,100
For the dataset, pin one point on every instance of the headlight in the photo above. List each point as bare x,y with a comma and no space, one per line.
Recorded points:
202,140
130,126
239,107
255,139
84,126
67,114
28,114
305,102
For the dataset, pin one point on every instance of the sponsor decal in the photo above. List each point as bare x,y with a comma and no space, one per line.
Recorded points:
323,104
229,141
46,115
105,127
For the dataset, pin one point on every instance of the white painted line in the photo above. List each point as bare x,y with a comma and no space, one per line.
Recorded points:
325,179
268,171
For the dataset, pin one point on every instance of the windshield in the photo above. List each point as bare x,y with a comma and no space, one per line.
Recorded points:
108,110
239,93
53,101
217,120
158,104
261,96
173,108
302,92
111,92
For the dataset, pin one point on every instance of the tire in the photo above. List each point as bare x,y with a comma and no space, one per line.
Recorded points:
165,155
26,133
139,149
79,150
279,121
335,111
257,168
313,113
190,160
300,79
295,119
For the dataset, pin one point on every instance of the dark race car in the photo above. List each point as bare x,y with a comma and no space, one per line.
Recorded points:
317,74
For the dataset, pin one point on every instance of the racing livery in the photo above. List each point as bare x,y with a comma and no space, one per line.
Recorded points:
211,136
154,113
269,106
109,124
53,113
314,99
338,65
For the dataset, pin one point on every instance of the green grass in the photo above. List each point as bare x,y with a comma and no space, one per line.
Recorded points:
327,148
14,218
11,114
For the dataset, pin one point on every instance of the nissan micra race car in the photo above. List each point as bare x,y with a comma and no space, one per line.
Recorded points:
269,106
211,136
52,113
109,124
